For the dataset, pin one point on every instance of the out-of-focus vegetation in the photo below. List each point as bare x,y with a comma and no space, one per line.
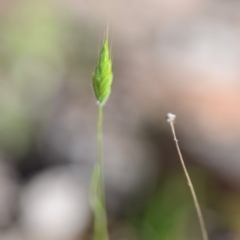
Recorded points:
177,56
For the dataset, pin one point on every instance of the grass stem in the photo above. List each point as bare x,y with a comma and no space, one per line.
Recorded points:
100,151
197,206
100,231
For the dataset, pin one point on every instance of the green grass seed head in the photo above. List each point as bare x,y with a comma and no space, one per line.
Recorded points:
102,76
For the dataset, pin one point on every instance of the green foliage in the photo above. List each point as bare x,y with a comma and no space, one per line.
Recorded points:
170,213
102,76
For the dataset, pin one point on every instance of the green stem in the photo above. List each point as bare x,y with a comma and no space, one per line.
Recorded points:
98,201
100,152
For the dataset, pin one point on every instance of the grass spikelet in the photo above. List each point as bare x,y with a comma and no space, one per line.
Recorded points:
102,76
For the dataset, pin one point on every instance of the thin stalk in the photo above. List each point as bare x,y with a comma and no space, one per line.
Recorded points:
98,194
197,206
100,151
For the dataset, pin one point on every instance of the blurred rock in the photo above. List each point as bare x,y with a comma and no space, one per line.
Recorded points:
54,206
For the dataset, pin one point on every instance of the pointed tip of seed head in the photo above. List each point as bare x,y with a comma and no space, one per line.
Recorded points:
107,30
170,117
106,39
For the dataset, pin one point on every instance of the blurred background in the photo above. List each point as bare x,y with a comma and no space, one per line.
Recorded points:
180,56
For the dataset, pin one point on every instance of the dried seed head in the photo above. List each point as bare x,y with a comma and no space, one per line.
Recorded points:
102,76
170,117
